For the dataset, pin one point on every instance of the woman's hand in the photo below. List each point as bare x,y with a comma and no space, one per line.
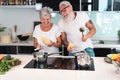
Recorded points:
51,43
39,47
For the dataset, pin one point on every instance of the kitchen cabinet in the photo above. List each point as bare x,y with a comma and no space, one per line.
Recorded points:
102,52
16,49
89,5
116,5
96,5
22,47
8,50
25,49
100,5
18,6
82,5
17,2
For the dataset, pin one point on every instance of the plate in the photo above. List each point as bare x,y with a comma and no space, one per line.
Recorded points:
110,55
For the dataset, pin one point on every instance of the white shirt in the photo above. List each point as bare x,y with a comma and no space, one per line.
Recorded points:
73,34
51,35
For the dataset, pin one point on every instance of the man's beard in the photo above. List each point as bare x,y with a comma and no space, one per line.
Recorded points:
69,19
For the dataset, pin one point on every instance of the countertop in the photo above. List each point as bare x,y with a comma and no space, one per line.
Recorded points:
19,43
103,71
107,44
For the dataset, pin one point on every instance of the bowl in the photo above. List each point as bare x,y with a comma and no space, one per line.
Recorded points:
22,38
117,65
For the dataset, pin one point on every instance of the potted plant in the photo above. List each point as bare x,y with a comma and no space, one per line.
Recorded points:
2,28
119,34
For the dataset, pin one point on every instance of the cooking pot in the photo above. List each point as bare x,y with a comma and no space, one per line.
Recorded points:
83,59
41,58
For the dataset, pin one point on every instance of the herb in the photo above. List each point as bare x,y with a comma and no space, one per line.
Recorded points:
118,33
2,29
7,63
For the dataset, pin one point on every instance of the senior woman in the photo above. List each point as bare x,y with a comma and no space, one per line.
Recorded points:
46,35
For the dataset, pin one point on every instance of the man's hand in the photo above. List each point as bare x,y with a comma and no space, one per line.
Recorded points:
84,38
70,47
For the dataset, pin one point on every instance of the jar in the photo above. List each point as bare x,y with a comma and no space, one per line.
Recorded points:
5,36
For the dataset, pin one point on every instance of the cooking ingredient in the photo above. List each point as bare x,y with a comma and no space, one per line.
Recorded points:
4,66
115,57
8,57
5,38
7,62
14,62
1,57
45,40
71,45
28,34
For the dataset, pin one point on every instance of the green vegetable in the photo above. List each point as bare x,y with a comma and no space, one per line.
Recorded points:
8,57
4,66
7,63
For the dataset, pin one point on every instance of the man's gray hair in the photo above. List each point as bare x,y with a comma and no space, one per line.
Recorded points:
65,3
45,11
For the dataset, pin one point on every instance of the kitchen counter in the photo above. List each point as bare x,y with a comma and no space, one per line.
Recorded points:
103,71
107,44
19,43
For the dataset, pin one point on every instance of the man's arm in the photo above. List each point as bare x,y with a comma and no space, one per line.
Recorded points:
64,38
92,30
58,43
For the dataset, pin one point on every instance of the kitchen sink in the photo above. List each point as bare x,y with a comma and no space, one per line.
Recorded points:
59,64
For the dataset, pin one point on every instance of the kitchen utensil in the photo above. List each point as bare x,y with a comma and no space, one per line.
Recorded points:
117,65
108,60
83,59
41,57
14,35
82,30
22,38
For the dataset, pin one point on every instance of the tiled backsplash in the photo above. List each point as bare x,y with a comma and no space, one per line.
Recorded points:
107,23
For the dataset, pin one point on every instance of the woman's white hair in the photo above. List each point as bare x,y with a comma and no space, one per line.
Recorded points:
65,3
45,11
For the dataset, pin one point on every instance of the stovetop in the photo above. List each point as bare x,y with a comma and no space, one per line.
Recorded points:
59,63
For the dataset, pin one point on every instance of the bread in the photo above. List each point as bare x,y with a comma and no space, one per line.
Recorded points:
45,40
71,45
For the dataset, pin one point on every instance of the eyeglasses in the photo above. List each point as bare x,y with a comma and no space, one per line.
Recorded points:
63,10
